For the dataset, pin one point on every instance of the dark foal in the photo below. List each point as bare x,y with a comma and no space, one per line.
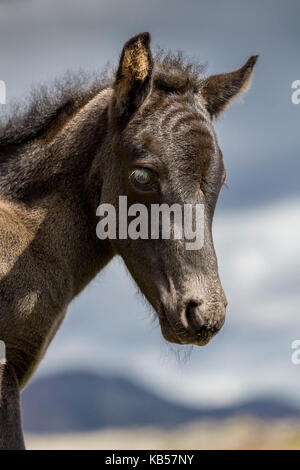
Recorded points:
64,157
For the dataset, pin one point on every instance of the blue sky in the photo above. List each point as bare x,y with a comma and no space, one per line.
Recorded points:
257,225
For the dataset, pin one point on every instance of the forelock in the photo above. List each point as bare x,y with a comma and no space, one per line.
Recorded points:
175,73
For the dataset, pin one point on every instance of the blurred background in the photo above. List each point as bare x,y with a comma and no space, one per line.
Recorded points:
108,379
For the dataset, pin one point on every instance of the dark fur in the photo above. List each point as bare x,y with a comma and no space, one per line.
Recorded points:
74,149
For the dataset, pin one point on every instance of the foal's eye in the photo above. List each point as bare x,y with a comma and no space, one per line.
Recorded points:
143,179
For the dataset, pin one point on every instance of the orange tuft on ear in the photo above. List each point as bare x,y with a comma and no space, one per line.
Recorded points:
135,62
134,72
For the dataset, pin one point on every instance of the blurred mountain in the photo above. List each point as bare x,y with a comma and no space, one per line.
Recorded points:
81,401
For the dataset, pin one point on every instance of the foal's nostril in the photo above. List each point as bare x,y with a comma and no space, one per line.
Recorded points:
201,321
195,315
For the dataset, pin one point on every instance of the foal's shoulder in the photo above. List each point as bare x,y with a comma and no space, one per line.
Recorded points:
18,226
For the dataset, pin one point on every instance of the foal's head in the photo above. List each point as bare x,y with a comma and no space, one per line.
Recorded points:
164,150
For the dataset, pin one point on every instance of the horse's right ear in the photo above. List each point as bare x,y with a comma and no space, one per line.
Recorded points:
219,90
133,77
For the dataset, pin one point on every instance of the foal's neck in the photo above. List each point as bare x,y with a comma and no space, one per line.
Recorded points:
54,174
60,156
83,142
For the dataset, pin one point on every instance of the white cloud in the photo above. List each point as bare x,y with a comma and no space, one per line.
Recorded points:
259,251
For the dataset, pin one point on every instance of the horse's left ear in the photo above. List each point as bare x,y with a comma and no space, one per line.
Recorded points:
219,90
133,77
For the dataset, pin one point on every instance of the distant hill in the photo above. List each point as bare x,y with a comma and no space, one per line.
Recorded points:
80,401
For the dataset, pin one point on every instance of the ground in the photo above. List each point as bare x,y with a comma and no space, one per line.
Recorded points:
230,434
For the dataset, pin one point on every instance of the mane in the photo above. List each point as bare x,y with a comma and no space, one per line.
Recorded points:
28,118
176,73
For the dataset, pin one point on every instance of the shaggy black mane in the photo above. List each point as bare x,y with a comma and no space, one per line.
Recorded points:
25,121
175,73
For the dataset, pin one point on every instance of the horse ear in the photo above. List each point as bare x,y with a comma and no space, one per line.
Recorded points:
133,77
219,90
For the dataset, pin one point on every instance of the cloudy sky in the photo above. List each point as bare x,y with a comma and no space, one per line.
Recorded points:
257,225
